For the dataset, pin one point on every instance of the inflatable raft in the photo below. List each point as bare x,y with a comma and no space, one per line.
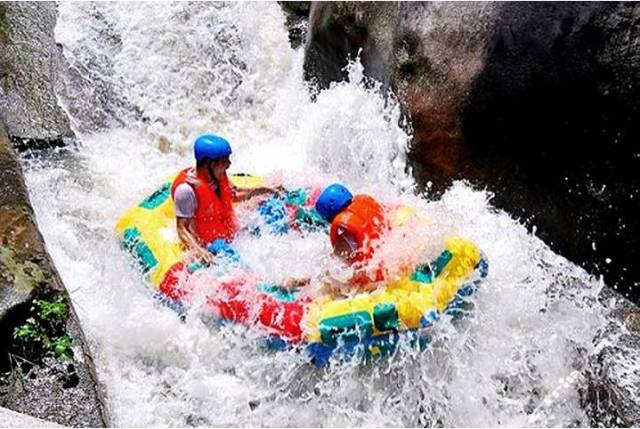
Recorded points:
370,324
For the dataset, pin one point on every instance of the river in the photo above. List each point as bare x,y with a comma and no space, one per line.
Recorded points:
141,81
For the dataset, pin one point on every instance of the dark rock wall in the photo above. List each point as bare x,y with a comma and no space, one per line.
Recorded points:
339,31
555,110
538,102
296,18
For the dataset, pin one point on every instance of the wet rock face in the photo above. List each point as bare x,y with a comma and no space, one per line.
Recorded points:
297,14
29,59
554,111
429,53
339,31
45,368
537,102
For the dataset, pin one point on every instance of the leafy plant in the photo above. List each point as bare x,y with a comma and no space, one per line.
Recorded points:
62,347
45,332
27,332
49,310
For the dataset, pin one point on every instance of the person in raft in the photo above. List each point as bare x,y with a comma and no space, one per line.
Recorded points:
358,223
204,198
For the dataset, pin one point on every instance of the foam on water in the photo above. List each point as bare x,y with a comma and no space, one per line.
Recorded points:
142,81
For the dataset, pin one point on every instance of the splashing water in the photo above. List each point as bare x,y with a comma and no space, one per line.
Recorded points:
140,81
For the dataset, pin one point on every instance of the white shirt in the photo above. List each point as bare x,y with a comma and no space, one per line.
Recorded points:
185,198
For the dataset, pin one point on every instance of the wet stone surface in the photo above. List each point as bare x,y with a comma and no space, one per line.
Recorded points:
29,59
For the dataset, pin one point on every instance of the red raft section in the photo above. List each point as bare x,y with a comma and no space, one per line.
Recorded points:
241,298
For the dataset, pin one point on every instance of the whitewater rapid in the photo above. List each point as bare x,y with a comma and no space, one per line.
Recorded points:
139,83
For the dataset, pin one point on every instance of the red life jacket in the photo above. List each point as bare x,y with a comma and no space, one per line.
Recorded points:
365,220
214,217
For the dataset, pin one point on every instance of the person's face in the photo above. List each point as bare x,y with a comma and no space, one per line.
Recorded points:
345,245
219,167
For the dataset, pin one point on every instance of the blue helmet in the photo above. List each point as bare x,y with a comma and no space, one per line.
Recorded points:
333,200
211,146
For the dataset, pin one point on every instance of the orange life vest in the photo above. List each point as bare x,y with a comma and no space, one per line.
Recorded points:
214,217
365,220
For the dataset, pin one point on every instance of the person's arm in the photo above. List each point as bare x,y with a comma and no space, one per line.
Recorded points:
244,194
294,283
190,242
334,281
368,277
360,278
186,204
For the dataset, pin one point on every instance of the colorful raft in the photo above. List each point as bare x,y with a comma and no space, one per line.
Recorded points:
371,324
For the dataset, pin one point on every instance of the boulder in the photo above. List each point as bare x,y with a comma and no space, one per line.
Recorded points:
537,102
296,15
29,61
46,370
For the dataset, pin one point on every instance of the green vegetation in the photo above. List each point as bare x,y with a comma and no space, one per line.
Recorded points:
62,347
27,332
44,332
51,310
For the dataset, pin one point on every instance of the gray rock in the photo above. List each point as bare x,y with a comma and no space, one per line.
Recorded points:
11,419
33,380
29,61
538,102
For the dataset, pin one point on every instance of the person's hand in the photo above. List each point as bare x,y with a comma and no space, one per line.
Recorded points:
332,288
295,283
280,190
203,256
